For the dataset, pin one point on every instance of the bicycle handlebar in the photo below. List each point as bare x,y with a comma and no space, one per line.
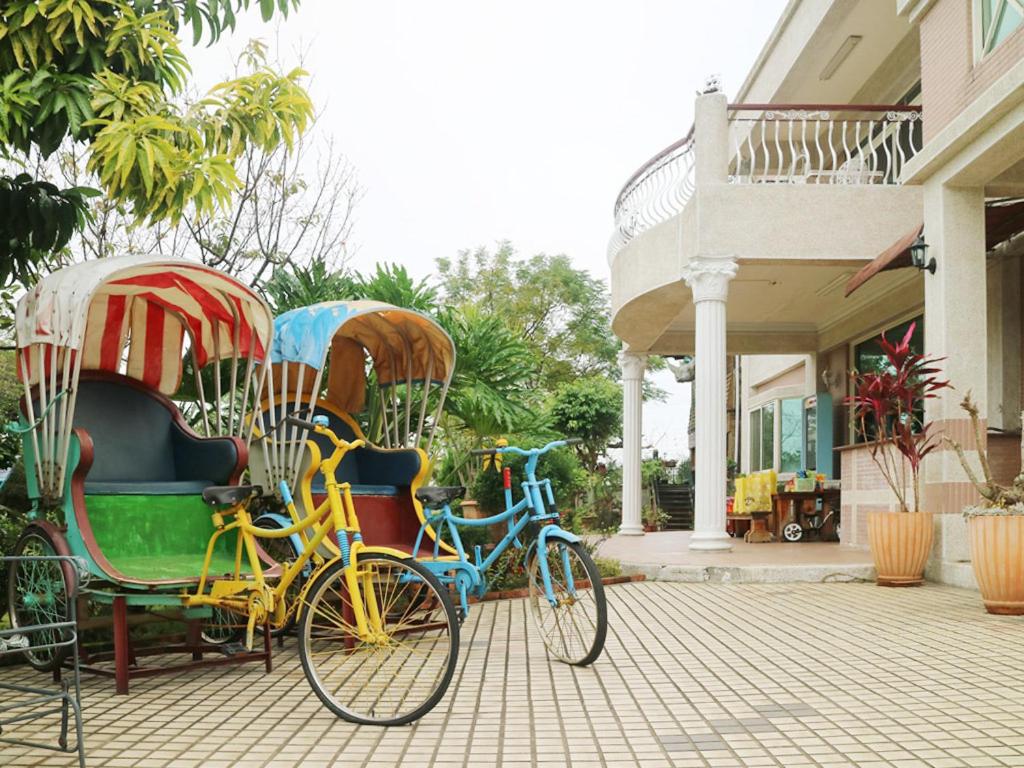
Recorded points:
286,420
13,427
329,433
297,422
526,452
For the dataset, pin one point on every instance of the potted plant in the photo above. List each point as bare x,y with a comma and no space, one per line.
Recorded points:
887,409
995,528
654,519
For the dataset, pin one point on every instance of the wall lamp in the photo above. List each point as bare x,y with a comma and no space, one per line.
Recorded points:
918,254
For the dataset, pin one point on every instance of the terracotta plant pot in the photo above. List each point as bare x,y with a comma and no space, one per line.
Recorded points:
900,544
997,554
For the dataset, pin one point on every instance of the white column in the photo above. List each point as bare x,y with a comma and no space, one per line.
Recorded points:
632,366
956,307
708,278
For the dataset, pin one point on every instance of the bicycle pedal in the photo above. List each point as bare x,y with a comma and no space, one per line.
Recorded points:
232,649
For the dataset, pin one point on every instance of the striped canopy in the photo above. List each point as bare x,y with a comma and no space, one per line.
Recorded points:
131,315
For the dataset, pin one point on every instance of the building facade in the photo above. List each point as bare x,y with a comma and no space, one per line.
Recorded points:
778,229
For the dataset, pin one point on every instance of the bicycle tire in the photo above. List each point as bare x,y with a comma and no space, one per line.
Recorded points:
369,703
575,637
47,584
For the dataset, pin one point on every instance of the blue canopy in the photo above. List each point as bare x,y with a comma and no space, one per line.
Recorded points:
402,344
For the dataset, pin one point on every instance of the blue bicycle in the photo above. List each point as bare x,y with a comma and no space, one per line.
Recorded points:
566,595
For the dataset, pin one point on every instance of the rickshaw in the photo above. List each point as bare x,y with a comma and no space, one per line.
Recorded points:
337,362
101,349
115,468
392,367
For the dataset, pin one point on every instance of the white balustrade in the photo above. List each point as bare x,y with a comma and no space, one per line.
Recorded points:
775,144
866,145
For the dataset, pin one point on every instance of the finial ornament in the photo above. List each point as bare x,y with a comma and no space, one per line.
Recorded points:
713,84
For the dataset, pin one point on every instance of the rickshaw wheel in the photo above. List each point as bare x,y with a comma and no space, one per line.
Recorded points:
37,592
399,674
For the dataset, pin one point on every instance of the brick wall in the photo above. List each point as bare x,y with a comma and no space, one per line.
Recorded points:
950,80
864,491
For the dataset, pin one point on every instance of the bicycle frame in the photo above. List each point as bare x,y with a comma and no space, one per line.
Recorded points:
532,509
342,518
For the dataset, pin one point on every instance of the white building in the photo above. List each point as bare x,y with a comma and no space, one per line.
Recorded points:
861,122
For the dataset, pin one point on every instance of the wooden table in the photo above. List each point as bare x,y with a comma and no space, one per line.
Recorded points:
789,504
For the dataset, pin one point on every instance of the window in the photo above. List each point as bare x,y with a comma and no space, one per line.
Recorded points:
869,358
994,21
791,434
762,437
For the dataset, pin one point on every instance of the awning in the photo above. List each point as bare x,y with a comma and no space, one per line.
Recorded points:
1004,219
138,309
895,256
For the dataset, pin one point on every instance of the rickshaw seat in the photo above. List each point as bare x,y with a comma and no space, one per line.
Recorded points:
142,473
142,445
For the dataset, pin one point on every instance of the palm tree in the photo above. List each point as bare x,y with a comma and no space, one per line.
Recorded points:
302,286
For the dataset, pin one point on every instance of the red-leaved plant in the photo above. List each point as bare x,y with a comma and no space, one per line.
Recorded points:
885,403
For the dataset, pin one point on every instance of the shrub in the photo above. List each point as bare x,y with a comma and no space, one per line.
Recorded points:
560,466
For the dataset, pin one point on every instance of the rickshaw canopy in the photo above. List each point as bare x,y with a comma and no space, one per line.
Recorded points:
403,346
412,358
137,317
130,314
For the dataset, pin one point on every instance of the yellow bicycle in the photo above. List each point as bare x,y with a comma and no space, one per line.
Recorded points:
378,634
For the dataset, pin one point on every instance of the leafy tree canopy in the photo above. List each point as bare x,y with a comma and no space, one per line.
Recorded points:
110,74
561,311
590,409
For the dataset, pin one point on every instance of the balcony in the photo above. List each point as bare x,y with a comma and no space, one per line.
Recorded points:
800,196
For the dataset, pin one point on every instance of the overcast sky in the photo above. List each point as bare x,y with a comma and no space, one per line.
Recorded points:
474,121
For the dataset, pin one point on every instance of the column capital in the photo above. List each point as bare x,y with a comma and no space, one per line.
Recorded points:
632,365
709,276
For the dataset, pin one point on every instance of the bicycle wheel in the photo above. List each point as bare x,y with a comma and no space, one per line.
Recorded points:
397,676
574,628
278,552
37,593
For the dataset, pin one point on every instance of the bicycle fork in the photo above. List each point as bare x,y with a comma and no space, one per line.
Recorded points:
362,598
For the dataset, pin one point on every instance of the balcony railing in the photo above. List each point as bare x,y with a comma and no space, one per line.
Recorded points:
655,193
775,144
822,144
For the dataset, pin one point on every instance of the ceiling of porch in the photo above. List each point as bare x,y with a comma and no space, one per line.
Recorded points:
782,307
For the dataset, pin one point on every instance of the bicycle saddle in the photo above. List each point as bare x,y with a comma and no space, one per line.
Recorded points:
435,496
229,495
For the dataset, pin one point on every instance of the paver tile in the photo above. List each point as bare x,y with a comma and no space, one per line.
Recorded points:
782,675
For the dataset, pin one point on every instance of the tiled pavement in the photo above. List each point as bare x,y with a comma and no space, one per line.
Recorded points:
693,675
